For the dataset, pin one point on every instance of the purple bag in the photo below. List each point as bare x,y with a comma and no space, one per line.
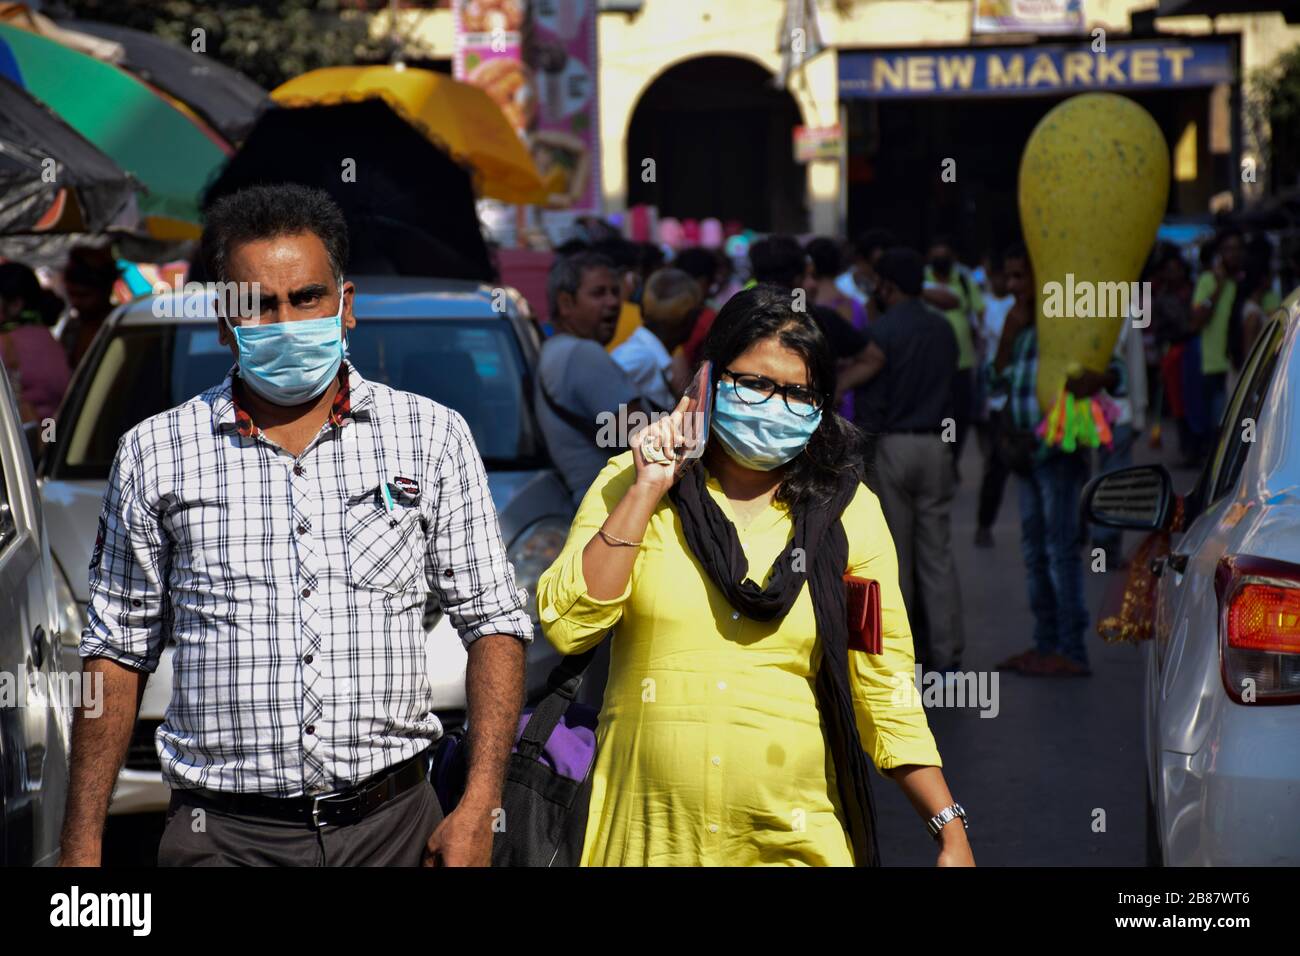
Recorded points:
548,777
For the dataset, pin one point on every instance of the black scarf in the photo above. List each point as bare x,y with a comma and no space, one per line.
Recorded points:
820,534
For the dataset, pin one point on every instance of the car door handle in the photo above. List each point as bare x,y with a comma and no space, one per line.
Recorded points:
1179,562
38,646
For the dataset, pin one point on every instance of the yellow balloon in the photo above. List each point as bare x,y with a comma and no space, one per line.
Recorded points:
1094,179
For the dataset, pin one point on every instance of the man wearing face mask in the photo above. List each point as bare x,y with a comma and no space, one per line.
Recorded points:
284,530
913,354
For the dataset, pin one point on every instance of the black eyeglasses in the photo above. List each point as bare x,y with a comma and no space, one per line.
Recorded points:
800,399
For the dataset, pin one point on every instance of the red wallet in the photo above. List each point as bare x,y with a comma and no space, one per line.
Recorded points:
864,614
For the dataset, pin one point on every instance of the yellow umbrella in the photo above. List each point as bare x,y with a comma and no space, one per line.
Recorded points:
454,116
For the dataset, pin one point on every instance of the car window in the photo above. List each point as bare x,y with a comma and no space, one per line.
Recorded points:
1230,455
473,366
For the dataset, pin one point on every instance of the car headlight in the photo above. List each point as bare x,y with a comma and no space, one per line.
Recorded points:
72,619
533,552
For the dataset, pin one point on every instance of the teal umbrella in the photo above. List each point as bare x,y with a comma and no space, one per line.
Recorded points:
170,152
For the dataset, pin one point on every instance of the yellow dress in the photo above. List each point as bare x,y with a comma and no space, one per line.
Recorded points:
710,747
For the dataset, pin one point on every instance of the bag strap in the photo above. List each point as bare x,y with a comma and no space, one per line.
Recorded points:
564,682
584,426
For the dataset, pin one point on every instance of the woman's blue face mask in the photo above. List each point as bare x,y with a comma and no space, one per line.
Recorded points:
760,436
290,363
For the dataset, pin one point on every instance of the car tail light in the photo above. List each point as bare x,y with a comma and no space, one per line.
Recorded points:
1259,629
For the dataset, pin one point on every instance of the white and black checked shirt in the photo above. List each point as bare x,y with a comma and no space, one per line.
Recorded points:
294,596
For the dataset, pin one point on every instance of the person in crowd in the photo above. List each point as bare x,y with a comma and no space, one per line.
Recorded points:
38,366
1207,362
704,266
1051,533
993,481
626,257
578,383
669,308
859,280
283,531
949,288
1249,309
779,261
904,406
825,263
88,280
717,586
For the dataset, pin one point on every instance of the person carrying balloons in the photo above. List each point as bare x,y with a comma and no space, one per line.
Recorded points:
1050,483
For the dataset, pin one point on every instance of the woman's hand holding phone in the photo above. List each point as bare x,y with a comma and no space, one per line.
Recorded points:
661,448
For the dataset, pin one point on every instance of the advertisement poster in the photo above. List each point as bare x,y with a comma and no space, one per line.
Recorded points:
561,49
489,55
1029,16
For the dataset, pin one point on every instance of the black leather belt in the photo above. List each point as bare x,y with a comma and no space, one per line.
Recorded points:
339,808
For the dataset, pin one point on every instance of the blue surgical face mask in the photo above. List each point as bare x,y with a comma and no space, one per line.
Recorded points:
289,363
763,436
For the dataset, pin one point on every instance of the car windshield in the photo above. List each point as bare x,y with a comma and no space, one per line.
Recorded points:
473,366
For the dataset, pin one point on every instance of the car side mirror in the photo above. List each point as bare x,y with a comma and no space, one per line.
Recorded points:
1140,498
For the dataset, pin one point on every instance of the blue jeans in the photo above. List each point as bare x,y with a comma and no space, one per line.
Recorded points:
1050,542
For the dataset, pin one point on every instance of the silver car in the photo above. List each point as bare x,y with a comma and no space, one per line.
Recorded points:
1222,691
35,697
465,345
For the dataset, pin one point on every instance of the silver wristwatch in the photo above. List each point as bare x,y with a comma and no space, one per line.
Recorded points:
945,817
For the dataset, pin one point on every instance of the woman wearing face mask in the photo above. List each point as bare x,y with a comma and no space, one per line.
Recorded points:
729,735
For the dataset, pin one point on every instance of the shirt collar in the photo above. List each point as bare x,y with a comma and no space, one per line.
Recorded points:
353,397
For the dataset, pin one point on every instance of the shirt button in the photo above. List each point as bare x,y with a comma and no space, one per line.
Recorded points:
722,685
717,761
735,615
447,573
302,529
308,659
311,730
306,592
713,828
136,602
299,470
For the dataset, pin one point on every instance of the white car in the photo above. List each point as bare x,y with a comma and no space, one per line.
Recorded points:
443,339
1222,691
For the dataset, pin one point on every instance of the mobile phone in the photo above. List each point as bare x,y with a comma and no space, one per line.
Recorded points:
697,416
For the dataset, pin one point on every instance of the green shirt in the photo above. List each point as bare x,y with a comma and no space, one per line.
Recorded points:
1214,337
970,302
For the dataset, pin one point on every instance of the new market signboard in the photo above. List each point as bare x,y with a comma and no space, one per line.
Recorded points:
1042,70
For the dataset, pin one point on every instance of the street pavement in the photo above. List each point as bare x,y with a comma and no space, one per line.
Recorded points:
1056,777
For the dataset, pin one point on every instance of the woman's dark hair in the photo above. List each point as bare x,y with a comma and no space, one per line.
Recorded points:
765,311
827,257
18,281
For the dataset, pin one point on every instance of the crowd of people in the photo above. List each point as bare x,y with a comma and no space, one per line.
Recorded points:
43,335
927,350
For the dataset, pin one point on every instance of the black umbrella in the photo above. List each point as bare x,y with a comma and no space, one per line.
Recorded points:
52,179
410,210
223,96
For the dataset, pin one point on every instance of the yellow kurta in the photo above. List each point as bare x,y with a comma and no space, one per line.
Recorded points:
711,750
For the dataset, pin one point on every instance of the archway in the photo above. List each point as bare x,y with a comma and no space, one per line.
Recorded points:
721,138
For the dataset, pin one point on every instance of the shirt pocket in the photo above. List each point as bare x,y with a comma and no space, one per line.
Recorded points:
385,549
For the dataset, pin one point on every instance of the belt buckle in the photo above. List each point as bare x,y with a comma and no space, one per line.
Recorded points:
316,802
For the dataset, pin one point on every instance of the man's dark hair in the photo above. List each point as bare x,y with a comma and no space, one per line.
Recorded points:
624,254
868,242
267,212
827,257
571,247
762,312
697,262
777,260
1016,250
903,267
566,276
